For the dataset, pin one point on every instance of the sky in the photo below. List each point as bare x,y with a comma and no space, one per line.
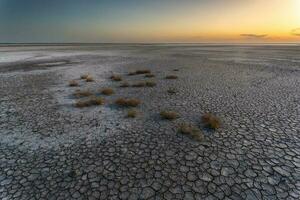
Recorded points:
96,21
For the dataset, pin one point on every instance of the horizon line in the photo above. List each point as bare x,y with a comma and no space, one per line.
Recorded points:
140,43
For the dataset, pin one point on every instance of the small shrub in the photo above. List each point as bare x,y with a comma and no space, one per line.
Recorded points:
171,91
125,84
79,93
211,121
82,104
89,102
192,131
89,79
175,70
97,101
150,84
171,77
127,102
116,78
170,115
73,83
149,75
143,71
107,91
84,76
139,84
131,113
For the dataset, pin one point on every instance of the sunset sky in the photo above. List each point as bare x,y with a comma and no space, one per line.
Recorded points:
149,21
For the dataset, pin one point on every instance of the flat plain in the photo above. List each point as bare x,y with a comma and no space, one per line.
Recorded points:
52,149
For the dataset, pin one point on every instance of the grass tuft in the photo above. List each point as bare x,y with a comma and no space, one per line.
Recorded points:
211,121
89,102
107,91
192,131
73,83
170,115
132,113
116,78
89,79
150,83
81,93
171,77
142,71
128,102
84,76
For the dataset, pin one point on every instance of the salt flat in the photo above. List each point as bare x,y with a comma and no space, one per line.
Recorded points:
50,149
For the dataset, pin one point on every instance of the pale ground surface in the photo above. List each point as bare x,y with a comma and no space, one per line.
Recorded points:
52,150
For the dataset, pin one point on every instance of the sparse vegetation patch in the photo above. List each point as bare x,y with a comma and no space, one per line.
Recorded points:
150,84
89,79
143,71
211,121
149,75
171,77
84,76
89,102
192,131
107,91
132,113
170,115
116,78
73,83
82,93
128,102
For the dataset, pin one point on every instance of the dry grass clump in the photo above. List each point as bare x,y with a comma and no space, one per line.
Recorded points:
84,76
192,131
89,79
149,75
107,91
139,84
125,84
81,93
116,78
170,115
211,121
73,83
150,84
171,77
128,102
142,71
171,91
144,84
89,102
131,113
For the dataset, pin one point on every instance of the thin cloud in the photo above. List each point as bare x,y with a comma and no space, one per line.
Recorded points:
249,35
296,32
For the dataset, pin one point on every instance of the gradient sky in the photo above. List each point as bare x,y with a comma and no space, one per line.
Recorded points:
149,21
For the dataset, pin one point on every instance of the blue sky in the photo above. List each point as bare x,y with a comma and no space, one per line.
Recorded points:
144,20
